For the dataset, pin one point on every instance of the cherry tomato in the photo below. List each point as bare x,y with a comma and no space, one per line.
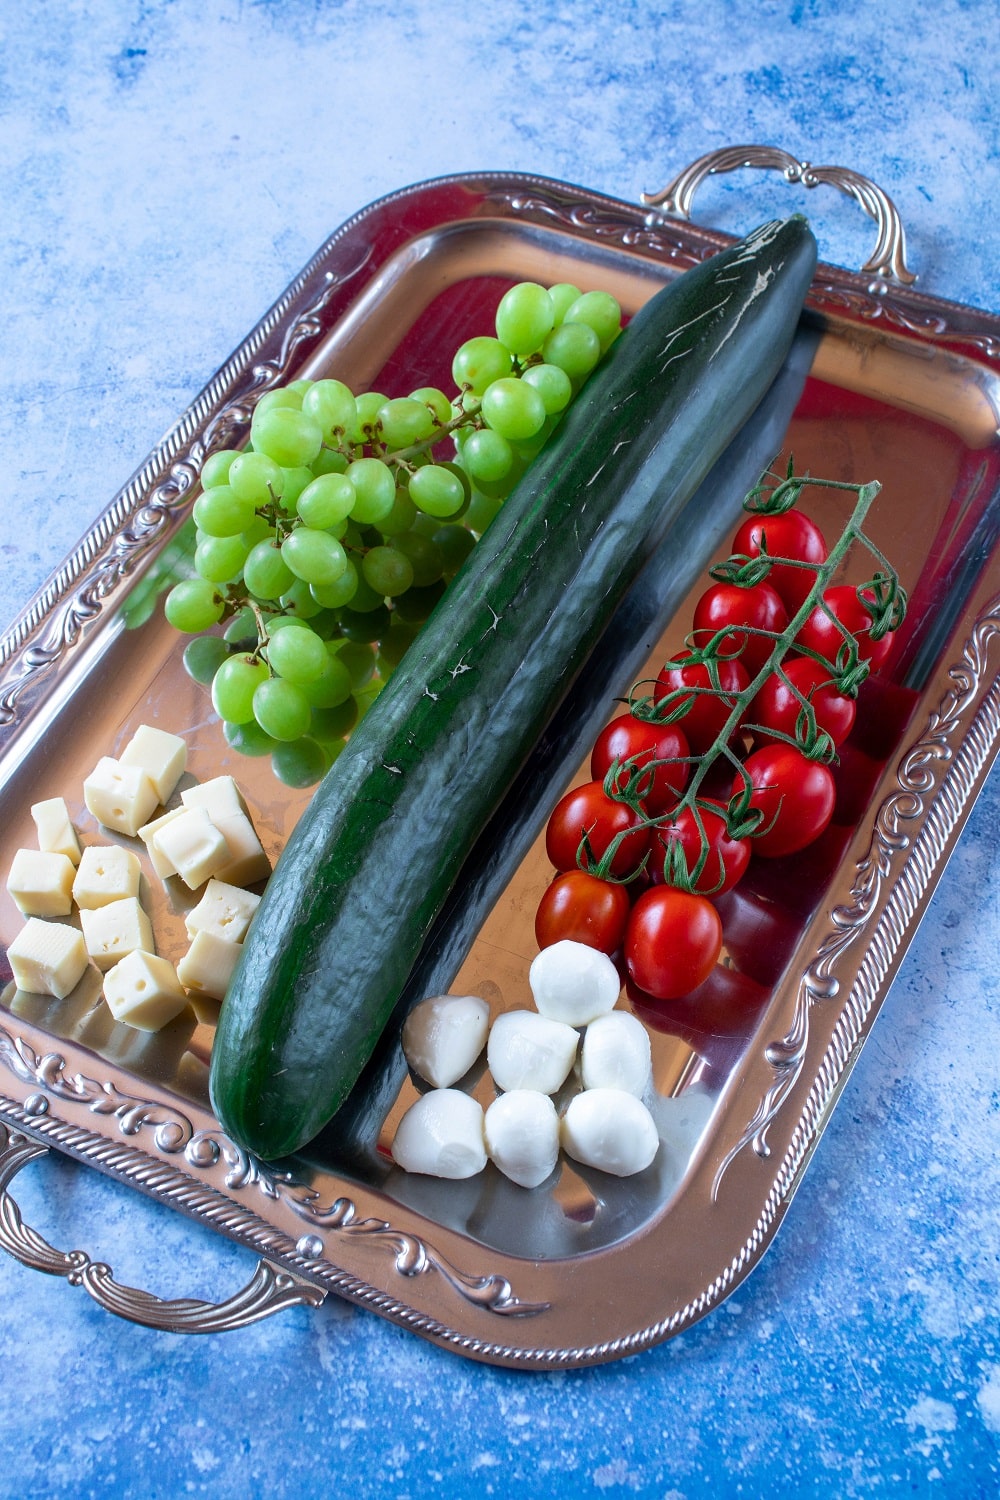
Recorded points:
789,535
725,862
796,795
820,633
726,604
627,737
708,713
586,810
672,942
777,707
584,909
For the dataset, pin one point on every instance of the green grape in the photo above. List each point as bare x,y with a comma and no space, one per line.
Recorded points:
215,469
265,572
290,437
424,556
241,631
563,295
480,361
374,488
299,386
329,461
513,409
454,542
359,659
234,685
335,595
388,571
416,604
552,384
404,422
203,657
325,624
314,556
436,400
401,517
332,687
256,478
525,316
365,625
331,403
298,655
299,601
326,501
221,512
281,396
574,347
487,455
531,448
334,722
294,480
599,311
259,530
366,696
220,559
248,739
281,709
365,598
482,511
300,764
366,420
395,643
438,491
193,605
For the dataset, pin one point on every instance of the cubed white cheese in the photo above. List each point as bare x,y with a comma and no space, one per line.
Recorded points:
248,862
221,797
528,1051
162,756
56,834
120,797
143,991
208,965
193,845
107,872
41,883
224,910
161,864
112,932
48,958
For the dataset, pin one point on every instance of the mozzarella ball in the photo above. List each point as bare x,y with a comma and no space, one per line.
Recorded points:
522,1136
443,1036
616,1054
610,1130
528,1051
441,1135
573,982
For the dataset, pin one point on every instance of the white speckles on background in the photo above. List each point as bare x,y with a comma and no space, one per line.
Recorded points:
166,170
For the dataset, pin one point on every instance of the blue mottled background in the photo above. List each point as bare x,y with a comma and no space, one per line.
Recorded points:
166,168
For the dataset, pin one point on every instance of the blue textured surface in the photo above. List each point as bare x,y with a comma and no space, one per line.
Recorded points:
166,169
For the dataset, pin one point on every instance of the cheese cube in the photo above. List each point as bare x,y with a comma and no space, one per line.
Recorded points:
221,797
120,797
224,910
41,883
208,964
48,958
162,756
247,861
161,864
112,932
106,873
193,845
56,834
144,991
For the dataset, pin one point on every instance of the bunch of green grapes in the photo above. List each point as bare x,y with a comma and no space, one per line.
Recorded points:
324,544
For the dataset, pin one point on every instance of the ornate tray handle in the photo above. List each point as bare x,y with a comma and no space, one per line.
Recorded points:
268,1290
889,258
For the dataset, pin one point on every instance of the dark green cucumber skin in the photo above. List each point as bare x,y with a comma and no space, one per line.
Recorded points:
373,858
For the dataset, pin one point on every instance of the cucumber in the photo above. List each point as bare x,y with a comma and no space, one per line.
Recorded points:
373,858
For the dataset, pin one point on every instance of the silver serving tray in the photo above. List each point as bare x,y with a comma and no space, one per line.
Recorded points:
883,383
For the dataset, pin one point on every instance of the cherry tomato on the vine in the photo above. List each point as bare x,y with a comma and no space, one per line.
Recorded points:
587,810
627,738
584,909
777,707
708,711
796,796
672,941
790,535
759,606
725,861
821,634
